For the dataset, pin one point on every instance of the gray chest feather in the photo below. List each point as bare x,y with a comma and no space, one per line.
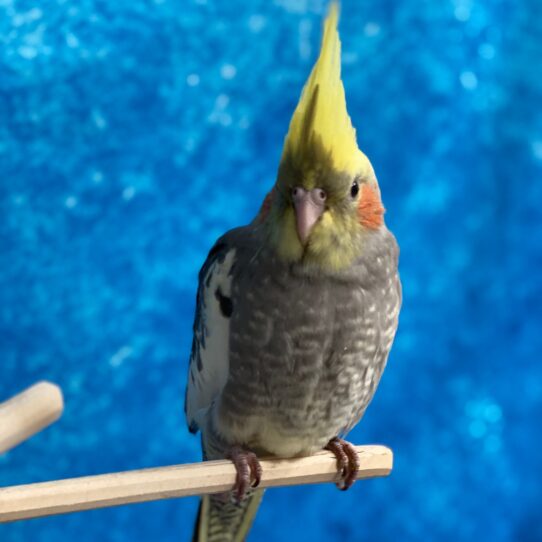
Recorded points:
306,351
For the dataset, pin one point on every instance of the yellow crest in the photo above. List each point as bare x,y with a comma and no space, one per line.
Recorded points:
320,121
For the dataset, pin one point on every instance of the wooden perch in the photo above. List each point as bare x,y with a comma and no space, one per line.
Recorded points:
71,495
28,413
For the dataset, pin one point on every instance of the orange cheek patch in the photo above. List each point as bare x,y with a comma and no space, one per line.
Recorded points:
266,207
370,210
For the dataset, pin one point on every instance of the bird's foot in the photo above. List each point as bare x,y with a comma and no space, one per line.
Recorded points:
347,461
249,471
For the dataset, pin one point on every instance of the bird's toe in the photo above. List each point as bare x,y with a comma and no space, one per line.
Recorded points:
347,461
249,472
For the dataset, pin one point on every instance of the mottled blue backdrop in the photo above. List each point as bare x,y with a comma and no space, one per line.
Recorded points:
132,133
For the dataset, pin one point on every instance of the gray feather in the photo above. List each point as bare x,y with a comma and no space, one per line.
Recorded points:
306,350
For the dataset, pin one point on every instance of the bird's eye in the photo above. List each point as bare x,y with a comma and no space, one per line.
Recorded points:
354,189
321,195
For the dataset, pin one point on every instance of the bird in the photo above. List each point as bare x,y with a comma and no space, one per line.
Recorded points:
297,311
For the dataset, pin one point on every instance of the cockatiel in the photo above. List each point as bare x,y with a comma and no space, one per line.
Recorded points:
296,312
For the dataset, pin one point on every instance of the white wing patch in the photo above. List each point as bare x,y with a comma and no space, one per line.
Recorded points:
209,362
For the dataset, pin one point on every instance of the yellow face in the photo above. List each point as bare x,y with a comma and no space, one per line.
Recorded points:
351,208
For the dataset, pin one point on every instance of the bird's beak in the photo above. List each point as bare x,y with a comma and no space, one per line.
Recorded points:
309,206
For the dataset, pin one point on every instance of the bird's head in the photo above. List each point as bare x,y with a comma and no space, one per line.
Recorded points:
326,196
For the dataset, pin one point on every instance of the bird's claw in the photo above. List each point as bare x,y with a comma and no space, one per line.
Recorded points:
347,461
249,472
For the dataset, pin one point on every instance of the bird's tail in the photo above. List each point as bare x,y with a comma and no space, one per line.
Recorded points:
221,520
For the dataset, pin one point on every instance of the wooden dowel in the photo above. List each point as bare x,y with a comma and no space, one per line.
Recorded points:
71,495
28,413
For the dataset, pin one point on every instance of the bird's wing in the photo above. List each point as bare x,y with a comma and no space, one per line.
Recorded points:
209,360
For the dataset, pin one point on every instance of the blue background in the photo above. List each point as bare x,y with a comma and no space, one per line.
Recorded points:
132,133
